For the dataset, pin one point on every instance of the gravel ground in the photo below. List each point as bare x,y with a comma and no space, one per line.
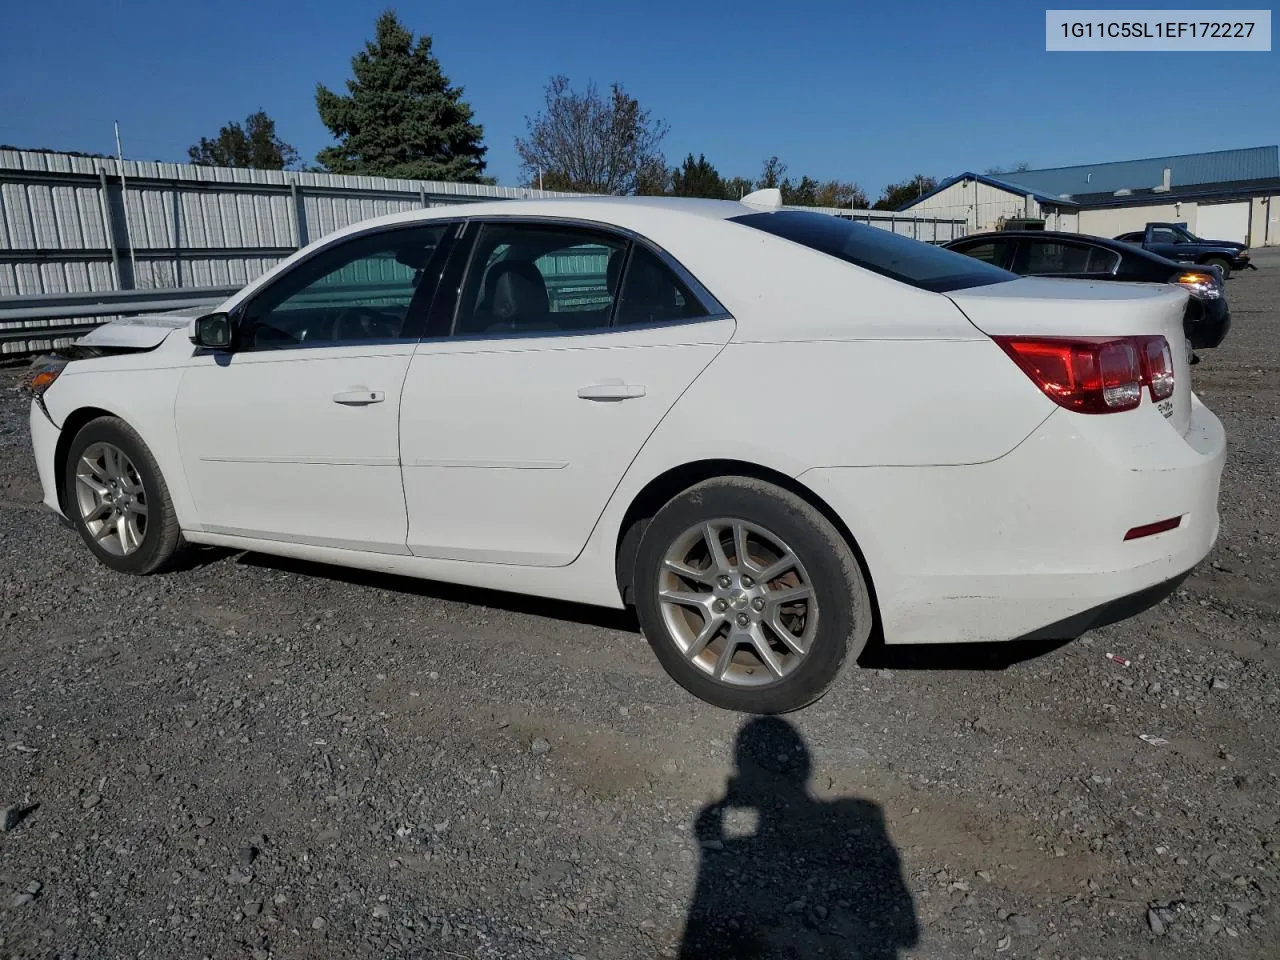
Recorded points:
257,758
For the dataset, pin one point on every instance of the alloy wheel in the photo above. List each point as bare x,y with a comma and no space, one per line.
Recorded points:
111,498
737,602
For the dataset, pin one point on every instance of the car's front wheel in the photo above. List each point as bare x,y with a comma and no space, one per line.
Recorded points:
750,597
118,500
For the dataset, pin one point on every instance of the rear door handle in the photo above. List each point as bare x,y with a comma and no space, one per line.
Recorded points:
613,390
359,397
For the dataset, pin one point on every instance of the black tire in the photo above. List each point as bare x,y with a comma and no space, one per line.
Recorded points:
1222,264
161,541
843,616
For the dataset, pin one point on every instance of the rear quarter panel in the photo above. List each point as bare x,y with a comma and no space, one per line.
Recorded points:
841,368
832,364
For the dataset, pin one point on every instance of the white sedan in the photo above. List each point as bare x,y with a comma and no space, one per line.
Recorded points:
771,431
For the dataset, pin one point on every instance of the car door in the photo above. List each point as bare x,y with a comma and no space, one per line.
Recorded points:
569,345
293,435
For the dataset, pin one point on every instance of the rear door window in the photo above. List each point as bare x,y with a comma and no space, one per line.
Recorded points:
539,278
1047,257
652,293
901,258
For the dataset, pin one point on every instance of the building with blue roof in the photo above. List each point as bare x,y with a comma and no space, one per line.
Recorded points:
1220,195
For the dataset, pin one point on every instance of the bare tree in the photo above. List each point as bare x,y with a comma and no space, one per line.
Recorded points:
591,143
771,175
838,193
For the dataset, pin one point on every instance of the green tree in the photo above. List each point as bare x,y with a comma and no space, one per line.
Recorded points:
593,143
401,116
697,178
802,194
253,145
896,194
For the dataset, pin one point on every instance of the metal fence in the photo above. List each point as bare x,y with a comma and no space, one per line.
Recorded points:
71,225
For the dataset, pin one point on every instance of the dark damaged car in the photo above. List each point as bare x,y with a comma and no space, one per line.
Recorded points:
1045,253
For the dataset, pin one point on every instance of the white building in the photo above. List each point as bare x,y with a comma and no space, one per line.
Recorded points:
1224,195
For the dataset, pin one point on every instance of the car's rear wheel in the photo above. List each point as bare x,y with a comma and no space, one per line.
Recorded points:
118,500
750,597
1222,264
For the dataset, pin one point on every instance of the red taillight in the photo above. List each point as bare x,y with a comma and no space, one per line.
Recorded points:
1157,367
1094,374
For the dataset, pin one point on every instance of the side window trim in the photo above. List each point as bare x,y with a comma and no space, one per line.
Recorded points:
628,253
1115,258
244,308
442,313
1020,256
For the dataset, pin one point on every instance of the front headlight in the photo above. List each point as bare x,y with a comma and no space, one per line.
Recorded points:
41,376
1202,285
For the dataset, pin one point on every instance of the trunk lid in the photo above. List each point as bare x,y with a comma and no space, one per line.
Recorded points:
1046,307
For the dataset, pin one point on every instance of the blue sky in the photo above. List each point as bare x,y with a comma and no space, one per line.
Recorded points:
858,91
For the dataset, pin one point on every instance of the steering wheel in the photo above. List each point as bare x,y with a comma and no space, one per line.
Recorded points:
364,323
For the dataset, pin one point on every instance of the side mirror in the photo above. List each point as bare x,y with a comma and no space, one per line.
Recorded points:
212,331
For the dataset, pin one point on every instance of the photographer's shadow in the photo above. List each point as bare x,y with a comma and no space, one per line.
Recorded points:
784,875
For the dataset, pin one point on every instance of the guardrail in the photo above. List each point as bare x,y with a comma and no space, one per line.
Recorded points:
43,321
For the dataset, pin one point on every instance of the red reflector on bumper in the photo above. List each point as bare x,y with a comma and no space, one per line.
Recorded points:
1147,529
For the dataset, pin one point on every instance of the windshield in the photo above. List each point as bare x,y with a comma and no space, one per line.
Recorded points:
890,254
1186,234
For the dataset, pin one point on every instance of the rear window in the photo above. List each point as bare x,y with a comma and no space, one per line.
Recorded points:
890,254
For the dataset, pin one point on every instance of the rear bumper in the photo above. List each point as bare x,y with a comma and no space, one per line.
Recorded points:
1020,545
1113,611
1207,326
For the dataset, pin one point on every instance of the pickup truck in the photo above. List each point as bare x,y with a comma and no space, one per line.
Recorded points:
1177,243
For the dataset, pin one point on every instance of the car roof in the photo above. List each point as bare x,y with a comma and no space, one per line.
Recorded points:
603,208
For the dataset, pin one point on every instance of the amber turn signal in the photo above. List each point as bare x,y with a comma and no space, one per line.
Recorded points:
40,379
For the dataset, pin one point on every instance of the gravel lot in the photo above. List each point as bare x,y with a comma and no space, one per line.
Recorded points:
256,758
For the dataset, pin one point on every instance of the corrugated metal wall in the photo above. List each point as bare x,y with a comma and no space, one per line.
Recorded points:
69,224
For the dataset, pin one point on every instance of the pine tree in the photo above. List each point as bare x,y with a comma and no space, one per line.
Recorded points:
697,178
402,117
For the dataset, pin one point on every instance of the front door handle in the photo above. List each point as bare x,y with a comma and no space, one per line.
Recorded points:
359,397
613,390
